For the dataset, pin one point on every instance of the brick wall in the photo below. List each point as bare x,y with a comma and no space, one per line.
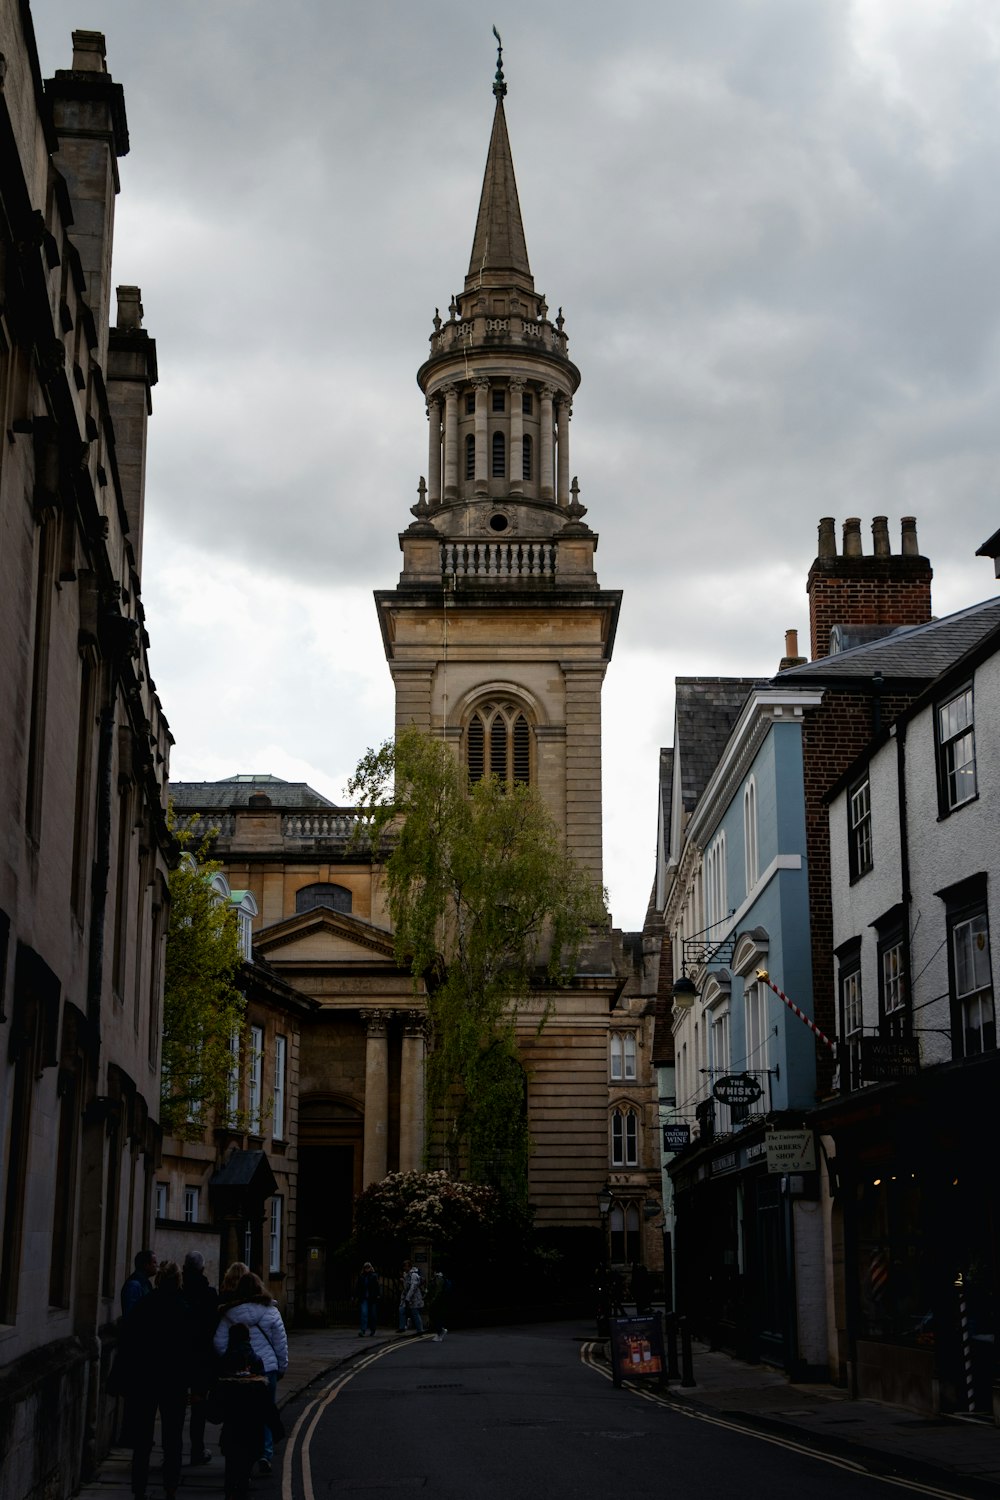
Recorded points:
892,590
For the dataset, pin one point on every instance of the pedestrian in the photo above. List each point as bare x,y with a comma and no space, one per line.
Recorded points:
155,1351
140,1283
251,1305
438,1299
411,1298
203,1301
230,1281
368,1290
241,1400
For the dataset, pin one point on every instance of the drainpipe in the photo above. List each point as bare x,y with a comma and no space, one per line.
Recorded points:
905,893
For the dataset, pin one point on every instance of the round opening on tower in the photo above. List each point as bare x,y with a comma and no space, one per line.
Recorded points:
499,523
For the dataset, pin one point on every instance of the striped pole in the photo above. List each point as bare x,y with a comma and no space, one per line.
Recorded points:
963,1319
765,978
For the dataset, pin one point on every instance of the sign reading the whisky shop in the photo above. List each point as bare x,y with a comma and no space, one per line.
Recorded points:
886,1058
737,1088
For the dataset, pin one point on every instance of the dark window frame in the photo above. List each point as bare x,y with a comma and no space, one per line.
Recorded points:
470,456
498,456
964,906
947,743
895,1020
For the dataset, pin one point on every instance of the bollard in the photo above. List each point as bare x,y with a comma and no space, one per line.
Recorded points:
687,1371
670,1336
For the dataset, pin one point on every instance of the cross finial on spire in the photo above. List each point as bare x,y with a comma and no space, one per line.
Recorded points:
499,87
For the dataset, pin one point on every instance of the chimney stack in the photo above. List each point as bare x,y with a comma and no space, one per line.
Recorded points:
791,657
849,588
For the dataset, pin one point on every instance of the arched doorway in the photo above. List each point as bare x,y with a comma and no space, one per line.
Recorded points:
331,1132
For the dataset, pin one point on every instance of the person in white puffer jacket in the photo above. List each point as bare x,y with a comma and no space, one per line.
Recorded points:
259,1312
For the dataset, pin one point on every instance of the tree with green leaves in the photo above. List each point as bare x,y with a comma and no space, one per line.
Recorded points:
203,1011
490,912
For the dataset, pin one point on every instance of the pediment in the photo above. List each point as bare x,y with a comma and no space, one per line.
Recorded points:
325,936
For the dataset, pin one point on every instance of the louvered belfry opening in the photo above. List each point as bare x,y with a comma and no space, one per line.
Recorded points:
498,743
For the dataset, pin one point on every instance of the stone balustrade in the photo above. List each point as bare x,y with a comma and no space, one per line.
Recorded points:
341,826
464,334
514,559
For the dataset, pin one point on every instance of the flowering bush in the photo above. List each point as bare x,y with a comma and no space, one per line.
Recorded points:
424,1205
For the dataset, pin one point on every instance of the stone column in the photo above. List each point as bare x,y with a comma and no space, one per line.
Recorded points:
565,412
434,450
516,436
482,456
545,457
376,1146
450,442
411,1093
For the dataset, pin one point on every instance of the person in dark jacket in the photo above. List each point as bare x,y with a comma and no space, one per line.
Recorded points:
155,1350
367,1290
241,1401
203,1301
140,1283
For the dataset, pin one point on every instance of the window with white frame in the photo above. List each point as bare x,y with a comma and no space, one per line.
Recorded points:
719,1038
750,833
162,1196
256,1073
892,987
973,1016
280,1060
622,1055
956,748
756,1017
859,827
274,1239
192,1205
624,1136
851,1020
716,895
233,1081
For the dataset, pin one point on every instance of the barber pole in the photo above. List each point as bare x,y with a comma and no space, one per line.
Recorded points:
963,1319
765,978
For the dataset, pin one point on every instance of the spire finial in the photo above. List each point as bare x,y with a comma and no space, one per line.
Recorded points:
499,87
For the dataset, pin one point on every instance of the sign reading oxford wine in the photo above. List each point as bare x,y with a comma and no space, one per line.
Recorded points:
737,1088
676,1137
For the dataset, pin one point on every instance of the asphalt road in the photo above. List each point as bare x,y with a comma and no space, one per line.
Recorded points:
531,1412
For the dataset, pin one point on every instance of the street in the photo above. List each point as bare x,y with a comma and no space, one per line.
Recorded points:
529,1412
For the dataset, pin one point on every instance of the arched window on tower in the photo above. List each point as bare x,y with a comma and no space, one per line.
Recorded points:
526,456
470,457
499,456
498,743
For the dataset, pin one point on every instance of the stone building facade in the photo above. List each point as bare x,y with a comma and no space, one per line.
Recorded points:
83,767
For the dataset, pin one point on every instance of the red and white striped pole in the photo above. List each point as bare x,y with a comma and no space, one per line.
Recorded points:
765,978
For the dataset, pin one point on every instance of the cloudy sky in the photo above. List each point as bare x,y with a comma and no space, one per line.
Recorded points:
773,226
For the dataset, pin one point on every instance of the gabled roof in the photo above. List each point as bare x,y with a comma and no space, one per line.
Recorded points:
916,653
498,244
706,710
373,943
236,791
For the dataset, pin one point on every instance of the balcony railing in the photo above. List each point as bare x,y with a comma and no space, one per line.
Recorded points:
498,559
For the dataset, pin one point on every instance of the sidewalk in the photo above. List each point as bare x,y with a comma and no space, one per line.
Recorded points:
888,1439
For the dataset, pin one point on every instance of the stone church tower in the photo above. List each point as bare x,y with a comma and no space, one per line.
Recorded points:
498,634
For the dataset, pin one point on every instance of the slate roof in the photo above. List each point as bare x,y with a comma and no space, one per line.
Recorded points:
236,791
498,243
706,711
916,653
666,790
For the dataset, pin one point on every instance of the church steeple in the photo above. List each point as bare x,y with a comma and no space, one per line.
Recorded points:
499,382
498,247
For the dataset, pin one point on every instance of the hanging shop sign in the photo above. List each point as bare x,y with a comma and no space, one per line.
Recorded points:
737,1088
676,1137
884,1059
790,1151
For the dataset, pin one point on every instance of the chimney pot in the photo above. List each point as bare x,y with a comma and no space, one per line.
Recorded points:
880,536
129,307
827,537
89,52
791,643
910,547
852,537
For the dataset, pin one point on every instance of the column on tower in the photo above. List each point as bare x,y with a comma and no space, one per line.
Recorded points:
450,442
516,436
434,450
545,457
411,1093
565,410
376,1138
482,396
